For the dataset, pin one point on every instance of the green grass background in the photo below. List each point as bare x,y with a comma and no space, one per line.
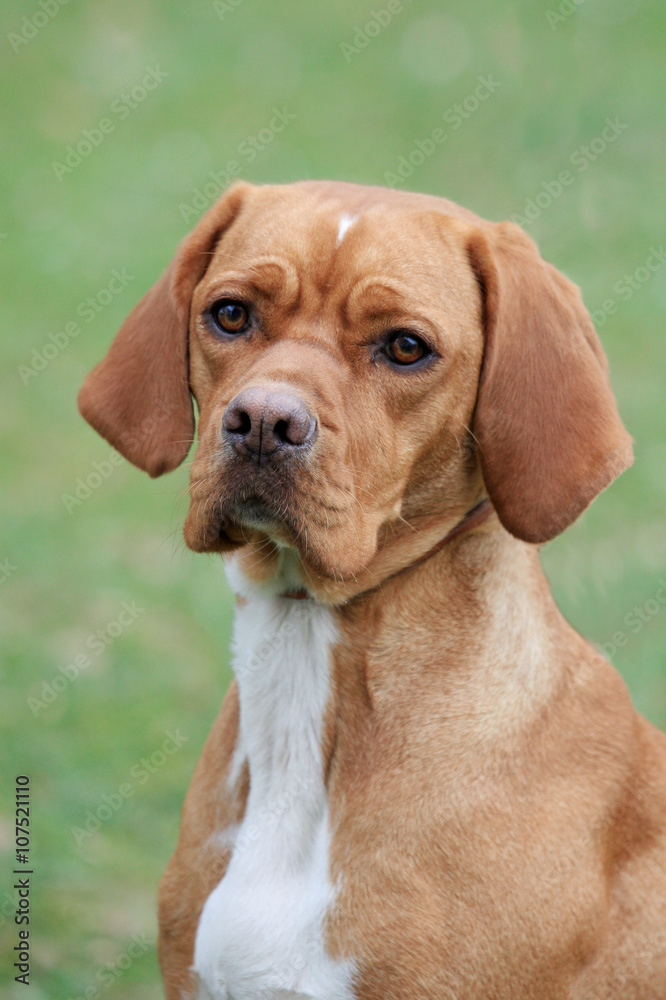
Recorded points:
120,208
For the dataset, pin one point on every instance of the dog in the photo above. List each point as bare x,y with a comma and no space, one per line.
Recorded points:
423,783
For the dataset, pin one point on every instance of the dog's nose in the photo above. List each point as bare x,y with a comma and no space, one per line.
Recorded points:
268,423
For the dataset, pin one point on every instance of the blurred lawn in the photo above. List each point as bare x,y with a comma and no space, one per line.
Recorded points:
357,112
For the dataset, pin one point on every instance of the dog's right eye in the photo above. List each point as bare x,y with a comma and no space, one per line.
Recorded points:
230,316
405,348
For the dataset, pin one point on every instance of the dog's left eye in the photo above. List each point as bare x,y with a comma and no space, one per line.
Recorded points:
230,316
405,348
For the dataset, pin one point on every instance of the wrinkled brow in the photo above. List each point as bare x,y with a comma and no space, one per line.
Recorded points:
275,278
374,297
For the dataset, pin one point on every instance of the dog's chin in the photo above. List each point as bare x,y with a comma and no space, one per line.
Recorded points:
243,523
330,555
234,525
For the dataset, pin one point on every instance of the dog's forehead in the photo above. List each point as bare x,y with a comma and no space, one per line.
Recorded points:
335,234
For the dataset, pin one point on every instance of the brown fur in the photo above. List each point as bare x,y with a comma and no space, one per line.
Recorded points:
498,808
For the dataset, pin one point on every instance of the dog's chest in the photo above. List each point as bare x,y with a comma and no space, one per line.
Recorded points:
260,936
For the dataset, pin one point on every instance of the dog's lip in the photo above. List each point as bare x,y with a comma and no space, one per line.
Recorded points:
237,528
255,514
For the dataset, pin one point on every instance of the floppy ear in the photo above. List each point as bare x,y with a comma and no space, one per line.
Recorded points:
138,397
546,422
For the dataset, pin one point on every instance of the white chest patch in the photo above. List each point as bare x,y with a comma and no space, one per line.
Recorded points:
260,936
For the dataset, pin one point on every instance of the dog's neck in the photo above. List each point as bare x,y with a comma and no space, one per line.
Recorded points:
465,636
474,517
445,668
472,623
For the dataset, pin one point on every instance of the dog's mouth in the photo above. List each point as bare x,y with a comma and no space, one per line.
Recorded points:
228,512
240,519
310,515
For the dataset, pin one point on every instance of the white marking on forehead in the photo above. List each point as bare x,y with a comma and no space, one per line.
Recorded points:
345,222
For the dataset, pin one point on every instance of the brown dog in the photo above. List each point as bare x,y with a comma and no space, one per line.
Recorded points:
423,783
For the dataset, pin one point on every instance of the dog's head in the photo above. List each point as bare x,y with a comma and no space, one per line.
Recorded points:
365,363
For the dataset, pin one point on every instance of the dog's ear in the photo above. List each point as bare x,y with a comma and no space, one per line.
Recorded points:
550,438
138,397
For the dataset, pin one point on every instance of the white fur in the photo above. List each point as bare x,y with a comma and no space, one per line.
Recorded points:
345,222
260,935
